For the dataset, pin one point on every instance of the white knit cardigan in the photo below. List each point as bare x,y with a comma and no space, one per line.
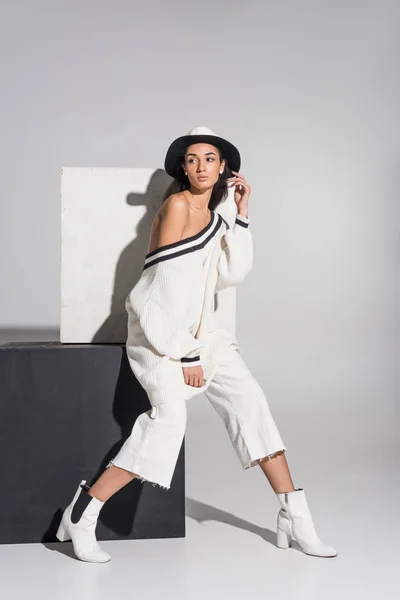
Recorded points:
171,320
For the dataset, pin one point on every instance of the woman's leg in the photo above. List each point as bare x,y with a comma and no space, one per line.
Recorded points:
275,468
110,481
150,453
240,401
277,472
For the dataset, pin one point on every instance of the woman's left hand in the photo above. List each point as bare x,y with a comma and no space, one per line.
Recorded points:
242,190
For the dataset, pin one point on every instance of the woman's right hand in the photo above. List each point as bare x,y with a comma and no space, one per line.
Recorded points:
194,375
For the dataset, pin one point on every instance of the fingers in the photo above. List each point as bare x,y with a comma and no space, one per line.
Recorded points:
195,382
240,183
193,376
239,176
239,180
233,181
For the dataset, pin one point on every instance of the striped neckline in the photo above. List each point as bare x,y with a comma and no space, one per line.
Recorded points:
188,244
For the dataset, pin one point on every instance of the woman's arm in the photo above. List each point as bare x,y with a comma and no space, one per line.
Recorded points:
236,258
168,334
165,316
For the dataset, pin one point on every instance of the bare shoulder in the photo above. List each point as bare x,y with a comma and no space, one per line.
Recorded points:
174,203
174,217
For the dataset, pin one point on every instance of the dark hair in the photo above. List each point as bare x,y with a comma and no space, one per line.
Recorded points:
181,182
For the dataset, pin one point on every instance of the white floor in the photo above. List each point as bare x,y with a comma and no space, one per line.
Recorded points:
346,463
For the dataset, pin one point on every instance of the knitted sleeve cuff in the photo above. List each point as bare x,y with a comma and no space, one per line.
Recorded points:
242,220
191,361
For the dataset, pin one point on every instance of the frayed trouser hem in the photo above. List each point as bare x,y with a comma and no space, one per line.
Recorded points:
255,461
138,476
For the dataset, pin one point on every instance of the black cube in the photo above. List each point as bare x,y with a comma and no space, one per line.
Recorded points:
65,411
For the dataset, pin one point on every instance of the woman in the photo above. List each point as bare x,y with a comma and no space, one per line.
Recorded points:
176,349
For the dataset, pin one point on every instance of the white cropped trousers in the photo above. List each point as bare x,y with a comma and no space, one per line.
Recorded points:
151,451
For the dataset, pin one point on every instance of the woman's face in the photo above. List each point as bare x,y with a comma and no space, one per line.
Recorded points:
202,165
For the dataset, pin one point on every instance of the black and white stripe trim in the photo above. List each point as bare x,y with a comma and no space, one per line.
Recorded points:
189,244
194,361
241,220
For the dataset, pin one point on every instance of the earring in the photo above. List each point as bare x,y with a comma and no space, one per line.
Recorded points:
220,172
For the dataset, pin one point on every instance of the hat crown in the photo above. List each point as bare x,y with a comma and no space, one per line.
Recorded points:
200,130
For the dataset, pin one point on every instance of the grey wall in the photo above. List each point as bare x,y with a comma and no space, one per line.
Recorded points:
310,93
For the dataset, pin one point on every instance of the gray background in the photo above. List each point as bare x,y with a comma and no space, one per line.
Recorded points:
310,93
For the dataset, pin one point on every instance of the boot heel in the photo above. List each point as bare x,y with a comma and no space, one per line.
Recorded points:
283,539
62,533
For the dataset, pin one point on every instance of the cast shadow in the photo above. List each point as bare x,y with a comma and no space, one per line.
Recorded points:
131,260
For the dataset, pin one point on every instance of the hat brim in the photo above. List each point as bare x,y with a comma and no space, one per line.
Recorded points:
176,151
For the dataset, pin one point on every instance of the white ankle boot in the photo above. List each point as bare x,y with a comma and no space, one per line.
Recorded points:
295,521
78,524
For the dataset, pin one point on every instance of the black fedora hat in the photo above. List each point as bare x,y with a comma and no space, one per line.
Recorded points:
176,151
